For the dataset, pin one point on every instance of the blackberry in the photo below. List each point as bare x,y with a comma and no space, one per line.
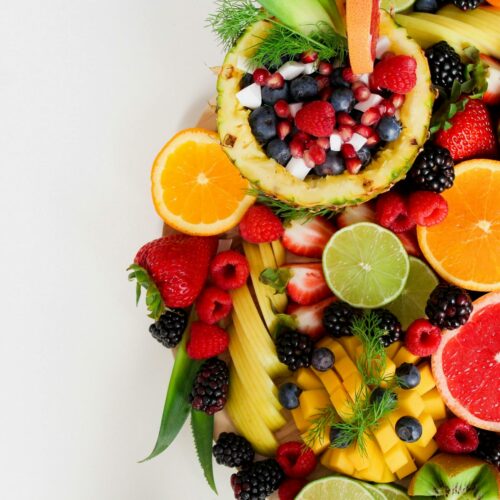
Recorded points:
258,481
489,447
294,349
232,450
433,170
338,318
391,325
448,306
445,65
467,4
169,328
209,392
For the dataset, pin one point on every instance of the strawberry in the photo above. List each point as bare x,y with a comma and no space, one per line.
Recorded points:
316,118
471,133
492,94
359,213
309,319
397,74
308,237
206,341
173,270
260,225
410,242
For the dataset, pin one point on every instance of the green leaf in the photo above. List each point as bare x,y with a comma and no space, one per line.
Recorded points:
176,408
453,110
202,426
154,301
277,278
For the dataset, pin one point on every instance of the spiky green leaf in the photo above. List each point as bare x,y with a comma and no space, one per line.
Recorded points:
202,426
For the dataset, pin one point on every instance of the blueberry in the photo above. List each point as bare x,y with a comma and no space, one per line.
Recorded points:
378,393
408,376
322,359
304,88
337,439
408,429
430,6
288,395
336,79
278,150
365,155
334,165
246,80
272,96
263,123
342,99
388,128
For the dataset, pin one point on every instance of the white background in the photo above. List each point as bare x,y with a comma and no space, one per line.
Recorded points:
89,92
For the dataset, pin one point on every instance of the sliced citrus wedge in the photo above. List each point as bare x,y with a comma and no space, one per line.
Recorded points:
195,187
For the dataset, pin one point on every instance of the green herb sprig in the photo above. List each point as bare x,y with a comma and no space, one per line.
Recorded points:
323,420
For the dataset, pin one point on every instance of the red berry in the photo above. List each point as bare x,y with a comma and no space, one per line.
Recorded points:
456,436
323,142
206,341
318,154
326,94
353,165
316,118
322,81
282,109
361,91
283,128
426,208
397,100
397,74
309,57
290,488
370,117
260,76
297,148
422,338
387,55
387,108
296,460
261,225
348,151
349,76
363,130
391,212
344,118
325,68
213,305
229,270
302,136
308,159
373,139
345,132
275,81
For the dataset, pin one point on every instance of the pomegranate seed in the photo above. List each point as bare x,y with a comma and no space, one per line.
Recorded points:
282,109
318,154
297,148
325,68
302,136
373,139
370,117
308,159
348,151
387,55
388,108
349,76
353,165
361,91
397,100
363,130
323,142
345,132
309,142
322,81
344,118
260,76
309,57
326,94
275,81
371,84
283,128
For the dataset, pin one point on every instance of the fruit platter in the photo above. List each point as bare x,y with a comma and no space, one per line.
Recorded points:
328,278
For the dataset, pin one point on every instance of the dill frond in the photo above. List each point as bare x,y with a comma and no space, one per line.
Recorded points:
319,425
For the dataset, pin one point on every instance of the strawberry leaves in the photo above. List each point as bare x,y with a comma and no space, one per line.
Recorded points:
154,301
276,278
202,426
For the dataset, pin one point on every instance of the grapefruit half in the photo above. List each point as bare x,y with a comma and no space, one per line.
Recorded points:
466,366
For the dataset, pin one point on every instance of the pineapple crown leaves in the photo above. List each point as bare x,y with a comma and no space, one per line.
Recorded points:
474,87
276,278
154,301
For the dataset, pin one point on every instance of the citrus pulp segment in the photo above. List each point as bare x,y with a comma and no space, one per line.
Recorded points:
365,265
334,487
392,492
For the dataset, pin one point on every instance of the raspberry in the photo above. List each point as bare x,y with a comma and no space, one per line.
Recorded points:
213,305
397,74
422,338
426,208
206,341
260,225
229,270
290,488
296,460
391,212
316,118
456,436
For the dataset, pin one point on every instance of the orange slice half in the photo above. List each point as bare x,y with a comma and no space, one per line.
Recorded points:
465,248
195,187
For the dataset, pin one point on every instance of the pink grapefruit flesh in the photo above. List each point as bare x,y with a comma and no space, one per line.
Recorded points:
467,366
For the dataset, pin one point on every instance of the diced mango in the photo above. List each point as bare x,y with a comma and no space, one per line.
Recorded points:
350,344
319,445
325,342
385,436
434,405
312,402
395,416
393,349
428,429
341,402
330,379
300,422
335,459
306,379
344,366
404,356
337,350
390,368
359,460
410,402
406,470
353,384
422,453
375,470
427,381
387,476
397,457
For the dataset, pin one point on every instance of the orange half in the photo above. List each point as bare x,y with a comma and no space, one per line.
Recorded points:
196,189
465,248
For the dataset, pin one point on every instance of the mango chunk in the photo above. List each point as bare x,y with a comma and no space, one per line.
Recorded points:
434,405
335,459
428,429
321,444
404,356
353,384
387,476
385,435
393,349
397,457
410,402
344,365
376,469
422,453
395,416
350,344
306,379
406,470
312,402
330,379
341,403
427,382
359,460
300,422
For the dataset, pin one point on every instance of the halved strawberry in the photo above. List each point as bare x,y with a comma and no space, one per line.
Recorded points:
309,319
492,94
360,213
308,238
410,242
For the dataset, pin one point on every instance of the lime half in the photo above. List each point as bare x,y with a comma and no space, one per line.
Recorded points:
396,5
410,305
392,492
332,488
365,265
374,492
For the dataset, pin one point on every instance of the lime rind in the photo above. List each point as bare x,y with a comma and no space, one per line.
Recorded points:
374,491
334,487
392,492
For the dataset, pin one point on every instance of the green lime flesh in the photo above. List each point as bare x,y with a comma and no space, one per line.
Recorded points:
374,491
365,265
333,488
396,5
410,305
392,492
